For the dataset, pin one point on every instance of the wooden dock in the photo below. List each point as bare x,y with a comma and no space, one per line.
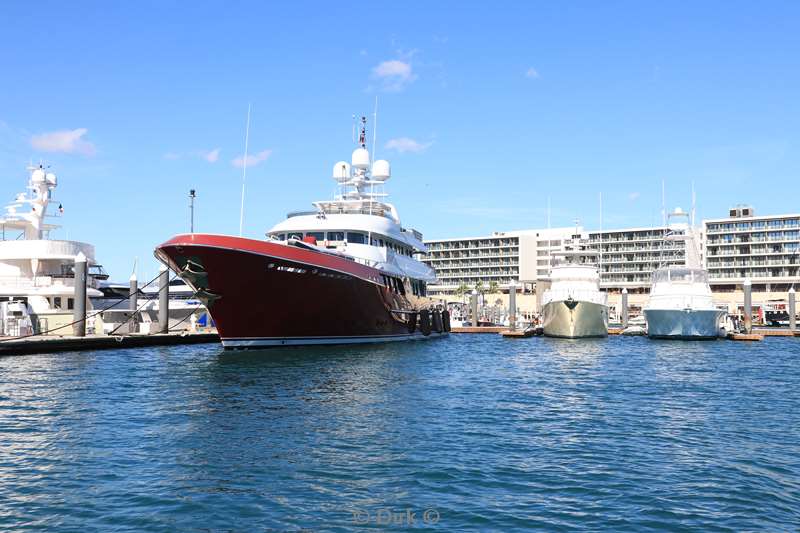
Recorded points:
518,333
478,329
745,337
50,344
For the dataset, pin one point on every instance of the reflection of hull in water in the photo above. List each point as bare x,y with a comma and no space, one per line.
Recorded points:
683,323
575,319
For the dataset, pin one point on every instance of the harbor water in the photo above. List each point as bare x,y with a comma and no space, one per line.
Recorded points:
470,433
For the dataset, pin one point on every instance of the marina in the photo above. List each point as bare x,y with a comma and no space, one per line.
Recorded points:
460,267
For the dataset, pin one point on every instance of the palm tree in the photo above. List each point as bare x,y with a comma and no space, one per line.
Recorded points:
494,288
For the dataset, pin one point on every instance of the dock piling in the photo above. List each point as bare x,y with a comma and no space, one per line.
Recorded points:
792,310
747,286
79,308
163,300
133,293
624,305
512,307
473,306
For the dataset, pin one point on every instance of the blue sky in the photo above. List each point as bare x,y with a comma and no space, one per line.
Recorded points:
486,110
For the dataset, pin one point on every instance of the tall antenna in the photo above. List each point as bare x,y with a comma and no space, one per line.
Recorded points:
600,249
244,169
374,128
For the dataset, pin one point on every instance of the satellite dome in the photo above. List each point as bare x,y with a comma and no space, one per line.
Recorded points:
341,171
360,158
678,210
51,178
38,176
381,171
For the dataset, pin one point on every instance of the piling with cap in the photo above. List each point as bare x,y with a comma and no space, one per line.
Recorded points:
79,309
792,310
512,307
133,293
624,309
163,299
473,305
748,305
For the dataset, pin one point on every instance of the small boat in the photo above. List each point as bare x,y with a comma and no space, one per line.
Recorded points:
574,306
681,305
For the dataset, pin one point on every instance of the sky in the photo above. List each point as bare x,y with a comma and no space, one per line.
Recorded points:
485,110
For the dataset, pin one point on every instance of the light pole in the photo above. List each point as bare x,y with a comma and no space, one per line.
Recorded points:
192,195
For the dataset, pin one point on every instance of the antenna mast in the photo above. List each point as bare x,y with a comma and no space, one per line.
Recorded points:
244,169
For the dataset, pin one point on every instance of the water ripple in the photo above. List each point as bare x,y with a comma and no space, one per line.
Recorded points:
622,434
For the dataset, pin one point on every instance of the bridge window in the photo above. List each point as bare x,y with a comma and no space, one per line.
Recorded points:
318,235
335,235
356,238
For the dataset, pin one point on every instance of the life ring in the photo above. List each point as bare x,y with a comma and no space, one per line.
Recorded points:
412,322
437,321
425,322
446,319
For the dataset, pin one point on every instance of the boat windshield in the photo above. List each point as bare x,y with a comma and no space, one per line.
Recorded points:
676,275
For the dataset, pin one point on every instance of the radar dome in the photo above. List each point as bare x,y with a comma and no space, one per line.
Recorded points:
38,176
381,171
341,171
678,210
51,178
360,158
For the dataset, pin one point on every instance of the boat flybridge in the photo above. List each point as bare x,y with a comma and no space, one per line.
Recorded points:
681,304
574,306
37,272
344,272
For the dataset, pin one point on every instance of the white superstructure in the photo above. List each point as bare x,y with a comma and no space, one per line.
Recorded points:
34,269
358,223
681,304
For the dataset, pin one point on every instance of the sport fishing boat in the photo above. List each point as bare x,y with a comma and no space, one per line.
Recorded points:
681,304
342,273
574,306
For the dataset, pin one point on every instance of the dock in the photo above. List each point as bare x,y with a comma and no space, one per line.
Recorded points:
518,333
478,329
50,344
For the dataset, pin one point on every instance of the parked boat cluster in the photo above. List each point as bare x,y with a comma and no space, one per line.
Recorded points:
347,271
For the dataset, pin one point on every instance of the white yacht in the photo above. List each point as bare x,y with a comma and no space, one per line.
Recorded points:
574,306
36,272
681,305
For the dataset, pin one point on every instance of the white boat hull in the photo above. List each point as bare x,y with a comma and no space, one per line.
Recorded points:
575,319
687,324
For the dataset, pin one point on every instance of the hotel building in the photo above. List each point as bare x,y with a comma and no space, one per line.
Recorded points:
629,256
765,249
519,257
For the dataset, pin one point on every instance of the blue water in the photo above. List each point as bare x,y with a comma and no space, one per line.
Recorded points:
471,433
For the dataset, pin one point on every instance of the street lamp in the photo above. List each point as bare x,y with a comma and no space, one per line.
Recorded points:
192,195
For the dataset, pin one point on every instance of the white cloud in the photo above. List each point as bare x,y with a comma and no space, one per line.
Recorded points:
406,144
532,73
633,196
394,75
66,141
252,159
212,156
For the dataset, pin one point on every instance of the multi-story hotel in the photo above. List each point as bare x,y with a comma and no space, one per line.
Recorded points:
629,256
765,249
503,258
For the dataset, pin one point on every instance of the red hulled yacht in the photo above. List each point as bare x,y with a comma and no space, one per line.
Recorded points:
342,273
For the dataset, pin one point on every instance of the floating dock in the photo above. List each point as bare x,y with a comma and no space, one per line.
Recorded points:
518,333
478,329
50,344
